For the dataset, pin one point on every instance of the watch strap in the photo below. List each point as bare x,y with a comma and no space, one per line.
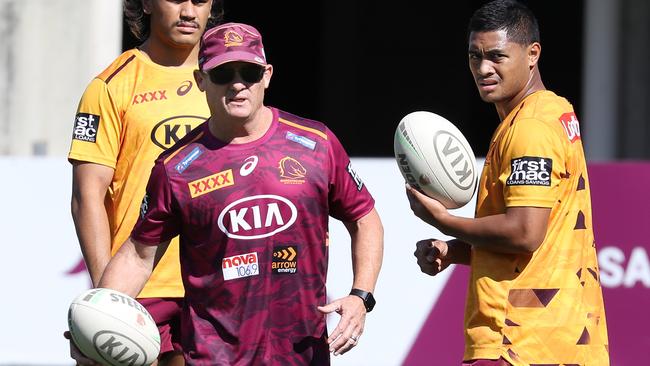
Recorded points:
367,297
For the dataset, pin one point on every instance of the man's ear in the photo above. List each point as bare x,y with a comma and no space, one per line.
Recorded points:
200,78
534,51
267,76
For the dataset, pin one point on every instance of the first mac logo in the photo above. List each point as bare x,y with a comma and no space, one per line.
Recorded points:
85,127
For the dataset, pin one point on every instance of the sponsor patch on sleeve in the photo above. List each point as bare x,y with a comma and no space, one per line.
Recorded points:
571,126
240,266
357,180
144,206
530,171
86,126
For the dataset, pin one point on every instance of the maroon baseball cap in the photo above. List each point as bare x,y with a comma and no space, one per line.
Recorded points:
231,42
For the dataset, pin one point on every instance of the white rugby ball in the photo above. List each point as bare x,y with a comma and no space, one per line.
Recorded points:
113,328
435,158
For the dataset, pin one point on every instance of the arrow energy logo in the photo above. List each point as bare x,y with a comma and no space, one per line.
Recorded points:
285,260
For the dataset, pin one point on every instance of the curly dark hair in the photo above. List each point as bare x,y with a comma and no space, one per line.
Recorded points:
138,21
515,18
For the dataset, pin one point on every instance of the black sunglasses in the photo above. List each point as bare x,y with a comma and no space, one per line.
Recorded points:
225,74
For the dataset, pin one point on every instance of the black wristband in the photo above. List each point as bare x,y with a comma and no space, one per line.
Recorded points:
367,297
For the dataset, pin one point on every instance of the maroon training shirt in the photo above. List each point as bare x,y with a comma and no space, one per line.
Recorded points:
253,226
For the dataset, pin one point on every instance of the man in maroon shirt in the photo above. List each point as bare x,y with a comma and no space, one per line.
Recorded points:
250,192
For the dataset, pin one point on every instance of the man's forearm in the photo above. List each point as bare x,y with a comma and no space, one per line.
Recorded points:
93,232
367,250
519,230
130,268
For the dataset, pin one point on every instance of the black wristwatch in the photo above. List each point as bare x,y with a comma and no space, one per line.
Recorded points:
368,300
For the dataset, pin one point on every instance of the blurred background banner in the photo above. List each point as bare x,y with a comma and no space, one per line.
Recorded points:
416,315
621,213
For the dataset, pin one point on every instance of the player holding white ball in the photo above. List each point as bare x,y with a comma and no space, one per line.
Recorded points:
534,295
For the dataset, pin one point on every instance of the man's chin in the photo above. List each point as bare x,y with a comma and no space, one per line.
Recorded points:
489,97
239,114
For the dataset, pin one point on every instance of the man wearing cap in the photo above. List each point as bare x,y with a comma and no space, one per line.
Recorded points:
250,192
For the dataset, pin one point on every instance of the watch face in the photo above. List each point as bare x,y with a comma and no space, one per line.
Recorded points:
370,302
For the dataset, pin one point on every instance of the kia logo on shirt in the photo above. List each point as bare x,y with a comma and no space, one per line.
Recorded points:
257,217
168,131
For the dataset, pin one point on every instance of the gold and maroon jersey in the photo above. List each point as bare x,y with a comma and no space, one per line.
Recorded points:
253,224
127,116
545,308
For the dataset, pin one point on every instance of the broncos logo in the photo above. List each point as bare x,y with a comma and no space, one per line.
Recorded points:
291,171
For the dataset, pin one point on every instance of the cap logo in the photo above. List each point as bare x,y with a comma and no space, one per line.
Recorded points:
233,38
218,43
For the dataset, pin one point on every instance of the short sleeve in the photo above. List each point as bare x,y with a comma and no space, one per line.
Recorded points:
158,220
97,129
349,198
533,161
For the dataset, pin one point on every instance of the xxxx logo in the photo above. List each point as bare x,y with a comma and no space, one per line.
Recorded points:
149,97
211,183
